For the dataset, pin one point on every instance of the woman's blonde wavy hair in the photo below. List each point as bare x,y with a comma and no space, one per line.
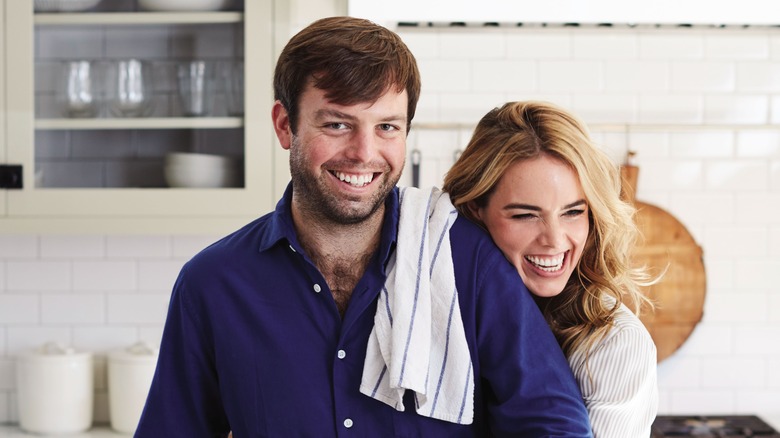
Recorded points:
580,315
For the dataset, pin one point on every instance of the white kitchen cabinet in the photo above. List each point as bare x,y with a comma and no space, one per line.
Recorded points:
3,133
39,138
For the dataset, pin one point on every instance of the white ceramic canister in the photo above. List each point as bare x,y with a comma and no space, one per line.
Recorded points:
55,390
130,373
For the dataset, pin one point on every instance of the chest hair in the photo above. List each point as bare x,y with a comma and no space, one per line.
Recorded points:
342,275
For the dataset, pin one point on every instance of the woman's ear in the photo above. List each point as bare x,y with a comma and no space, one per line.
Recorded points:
474,210
281,122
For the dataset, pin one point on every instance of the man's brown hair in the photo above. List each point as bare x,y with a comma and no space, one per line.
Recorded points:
353,60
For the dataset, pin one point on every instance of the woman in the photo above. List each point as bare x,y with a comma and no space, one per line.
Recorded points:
551,201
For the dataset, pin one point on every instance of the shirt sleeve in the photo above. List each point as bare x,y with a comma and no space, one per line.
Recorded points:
619,383
184,398
529,388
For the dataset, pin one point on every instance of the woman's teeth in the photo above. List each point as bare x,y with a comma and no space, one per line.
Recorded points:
548,264
355,180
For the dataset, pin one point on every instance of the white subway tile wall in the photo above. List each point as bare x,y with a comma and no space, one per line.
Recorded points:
95,293
720,178
721,181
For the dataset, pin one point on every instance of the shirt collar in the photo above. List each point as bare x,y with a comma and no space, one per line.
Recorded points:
281,225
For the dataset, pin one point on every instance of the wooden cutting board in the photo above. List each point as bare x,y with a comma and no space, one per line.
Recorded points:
667,245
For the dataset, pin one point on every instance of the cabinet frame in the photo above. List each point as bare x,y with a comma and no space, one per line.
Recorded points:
142,210
3,112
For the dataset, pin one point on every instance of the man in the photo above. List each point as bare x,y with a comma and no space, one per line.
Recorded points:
268,328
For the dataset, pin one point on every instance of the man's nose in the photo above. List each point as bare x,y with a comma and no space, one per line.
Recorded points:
362,144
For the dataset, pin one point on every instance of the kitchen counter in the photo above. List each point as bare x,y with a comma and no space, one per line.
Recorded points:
100,431
104,431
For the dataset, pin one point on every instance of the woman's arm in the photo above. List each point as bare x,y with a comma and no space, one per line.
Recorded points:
619,381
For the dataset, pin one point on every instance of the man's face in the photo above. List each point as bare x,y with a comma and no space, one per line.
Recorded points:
344,160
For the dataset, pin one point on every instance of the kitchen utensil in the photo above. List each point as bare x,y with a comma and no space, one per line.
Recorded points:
667,246
64,5
234,88
130,373
129,87
77,93
55,390
182,5
456,154
196,87
416,158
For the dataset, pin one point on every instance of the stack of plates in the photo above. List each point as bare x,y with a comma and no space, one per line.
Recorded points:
201,170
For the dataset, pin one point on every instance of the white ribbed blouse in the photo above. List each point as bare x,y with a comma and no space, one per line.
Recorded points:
619,379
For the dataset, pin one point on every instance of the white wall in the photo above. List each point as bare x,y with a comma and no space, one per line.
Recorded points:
720,177
719,173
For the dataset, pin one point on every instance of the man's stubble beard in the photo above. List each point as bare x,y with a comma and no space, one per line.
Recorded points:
314,198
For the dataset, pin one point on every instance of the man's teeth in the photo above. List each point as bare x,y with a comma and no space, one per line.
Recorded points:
549,264
355,180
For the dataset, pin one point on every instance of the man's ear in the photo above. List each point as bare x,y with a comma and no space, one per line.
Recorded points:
281,121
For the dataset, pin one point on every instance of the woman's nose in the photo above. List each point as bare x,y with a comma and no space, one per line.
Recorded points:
553,234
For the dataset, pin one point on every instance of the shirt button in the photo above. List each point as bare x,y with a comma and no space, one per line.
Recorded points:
348,423
317,288
342,354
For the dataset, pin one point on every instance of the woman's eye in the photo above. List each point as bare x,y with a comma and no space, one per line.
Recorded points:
523,216
574,213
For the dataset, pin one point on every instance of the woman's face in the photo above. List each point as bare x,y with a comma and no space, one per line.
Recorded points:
538,216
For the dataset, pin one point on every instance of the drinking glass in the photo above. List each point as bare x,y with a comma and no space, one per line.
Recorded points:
234,88
77,94
196,87
129,87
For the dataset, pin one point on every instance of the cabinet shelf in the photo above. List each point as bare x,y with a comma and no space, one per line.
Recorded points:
142,123
135,18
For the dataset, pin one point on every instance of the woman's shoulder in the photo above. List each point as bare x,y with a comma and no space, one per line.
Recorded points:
627,332
628,335
626,323
625,319
626,353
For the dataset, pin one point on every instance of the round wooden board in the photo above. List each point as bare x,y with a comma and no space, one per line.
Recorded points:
667,247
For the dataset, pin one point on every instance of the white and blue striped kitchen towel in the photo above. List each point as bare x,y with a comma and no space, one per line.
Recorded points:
418,342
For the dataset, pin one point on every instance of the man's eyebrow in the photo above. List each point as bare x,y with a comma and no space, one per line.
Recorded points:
395,118
327,113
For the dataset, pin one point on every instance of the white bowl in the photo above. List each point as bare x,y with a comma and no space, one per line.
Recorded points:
182,5
205,177
199,160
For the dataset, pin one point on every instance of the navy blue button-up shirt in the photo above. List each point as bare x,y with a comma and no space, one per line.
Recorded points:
253,343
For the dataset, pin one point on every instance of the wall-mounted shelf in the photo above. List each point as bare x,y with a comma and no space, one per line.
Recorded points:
142,123
132,18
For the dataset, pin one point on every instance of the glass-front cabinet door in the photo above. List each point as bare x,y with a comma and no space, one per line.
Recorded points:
3,131
135,116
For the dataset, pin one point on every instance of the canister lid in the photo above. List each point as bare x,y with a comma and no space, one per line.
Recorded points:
55,351
138,352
